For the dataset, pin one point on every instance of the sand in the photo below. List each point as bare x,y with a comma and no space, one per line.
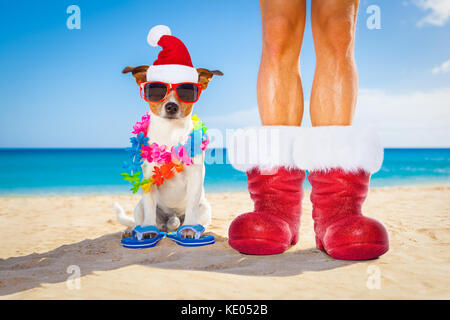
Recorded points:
41,237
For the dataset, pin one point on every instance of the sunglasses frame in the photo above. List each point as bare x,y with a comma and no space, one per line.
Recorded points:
170,86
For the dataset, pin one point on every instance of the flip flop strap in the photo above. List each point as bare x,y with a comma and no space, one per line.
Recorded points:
197,228
139,231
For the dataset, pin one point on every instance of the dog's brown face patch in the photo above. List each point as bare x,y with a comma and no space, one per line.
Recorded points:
171,107
186,108
155,107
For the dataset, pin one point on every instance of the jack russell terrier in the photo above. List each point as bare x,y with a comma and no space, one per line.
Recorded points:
171,86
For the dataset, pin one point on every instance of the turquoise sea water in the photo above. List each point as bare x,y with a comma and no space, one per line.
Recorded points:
97,171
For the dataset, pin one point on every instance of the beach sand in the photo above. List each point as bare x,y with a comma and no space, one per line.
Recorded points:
42,236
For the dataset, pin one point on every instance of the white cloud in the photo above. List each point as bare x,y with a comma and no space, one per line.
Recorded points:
443,68
414,119
438,12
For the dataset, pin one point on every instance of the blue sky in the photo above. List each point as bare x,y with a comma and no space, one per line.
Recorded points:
64,88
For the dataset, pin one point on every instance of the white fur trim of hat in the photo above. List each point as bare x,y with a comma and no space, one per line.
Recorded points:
172,73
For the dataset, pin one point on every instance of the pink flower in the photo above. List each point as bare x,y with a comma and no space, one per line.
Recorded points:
204,144
166,157
146,118
156,153
142,126
146,153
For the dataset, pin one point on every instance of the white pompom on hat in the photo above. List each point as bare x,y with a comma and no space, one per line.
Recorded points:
174,64
156,33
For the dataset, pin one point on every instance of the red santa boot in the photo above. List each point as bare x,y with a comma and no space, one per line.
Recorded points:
340,161
275,186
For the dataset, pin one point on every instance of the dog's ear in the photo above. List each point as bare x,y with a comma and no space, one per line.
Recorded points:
205,76
139,73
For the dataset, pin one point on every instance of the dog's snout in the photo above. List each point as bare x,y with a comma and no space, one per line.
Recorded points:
171,108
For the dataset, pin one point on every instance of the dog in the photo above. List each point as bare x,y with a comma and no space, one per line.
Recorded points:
181,199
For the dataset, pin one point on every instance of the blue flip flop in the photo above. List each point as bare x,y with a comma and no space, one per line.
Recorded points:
197,241
137,240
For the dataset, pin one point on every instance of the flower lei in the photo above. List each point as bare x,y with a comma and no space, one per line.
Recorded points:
169,161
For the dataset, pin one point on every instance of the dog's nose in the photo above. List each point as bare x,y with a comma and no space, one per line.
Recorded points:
171,108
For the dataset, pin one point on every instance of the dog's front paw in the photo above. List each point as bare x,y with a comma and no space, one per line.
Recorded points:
188,233
149,235
127,233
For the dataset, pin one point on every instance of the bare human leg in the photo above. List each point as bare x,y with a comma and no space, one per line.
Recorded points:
335,86
279,88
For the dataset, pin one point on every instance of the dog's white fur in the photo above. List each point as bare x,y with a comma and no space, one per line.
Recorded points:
183,195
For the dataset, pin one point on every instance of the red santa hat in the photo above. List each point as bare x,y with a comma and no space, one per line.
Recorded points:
174,63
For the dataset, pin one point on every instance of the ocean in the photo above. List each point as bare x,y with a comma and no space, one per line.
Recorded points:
97,171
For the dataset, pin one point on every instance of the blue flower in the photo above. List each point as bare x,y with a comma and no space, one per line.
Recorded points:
132,152
134,142
142,140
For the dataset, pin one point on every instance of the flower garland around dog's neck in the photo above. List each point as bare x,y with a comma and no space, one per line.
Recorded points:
169,161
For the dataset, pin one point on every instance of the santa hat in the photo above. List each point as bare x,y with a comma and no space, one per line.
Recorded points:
174,63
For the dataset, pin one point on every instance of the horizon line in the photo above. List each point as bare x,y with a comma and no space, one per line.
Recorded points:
122,148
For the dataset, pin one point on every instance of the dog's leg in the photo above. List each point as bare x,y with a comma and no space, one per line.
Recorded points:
139,213
194,190
149,204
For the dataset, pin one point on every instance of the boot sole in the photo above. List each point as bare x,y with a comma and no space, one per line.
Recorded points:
258,246
358,251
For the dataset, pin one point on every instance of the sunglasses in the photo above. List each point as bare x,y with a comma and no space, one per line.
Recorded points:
155,91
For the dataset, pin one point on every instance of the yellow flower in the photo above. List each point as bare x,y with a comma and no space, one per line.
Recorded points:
195,118
146,186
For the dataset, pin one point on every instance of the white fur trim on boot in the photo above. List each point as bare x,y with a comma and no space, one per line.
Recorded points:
264,147
338,147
